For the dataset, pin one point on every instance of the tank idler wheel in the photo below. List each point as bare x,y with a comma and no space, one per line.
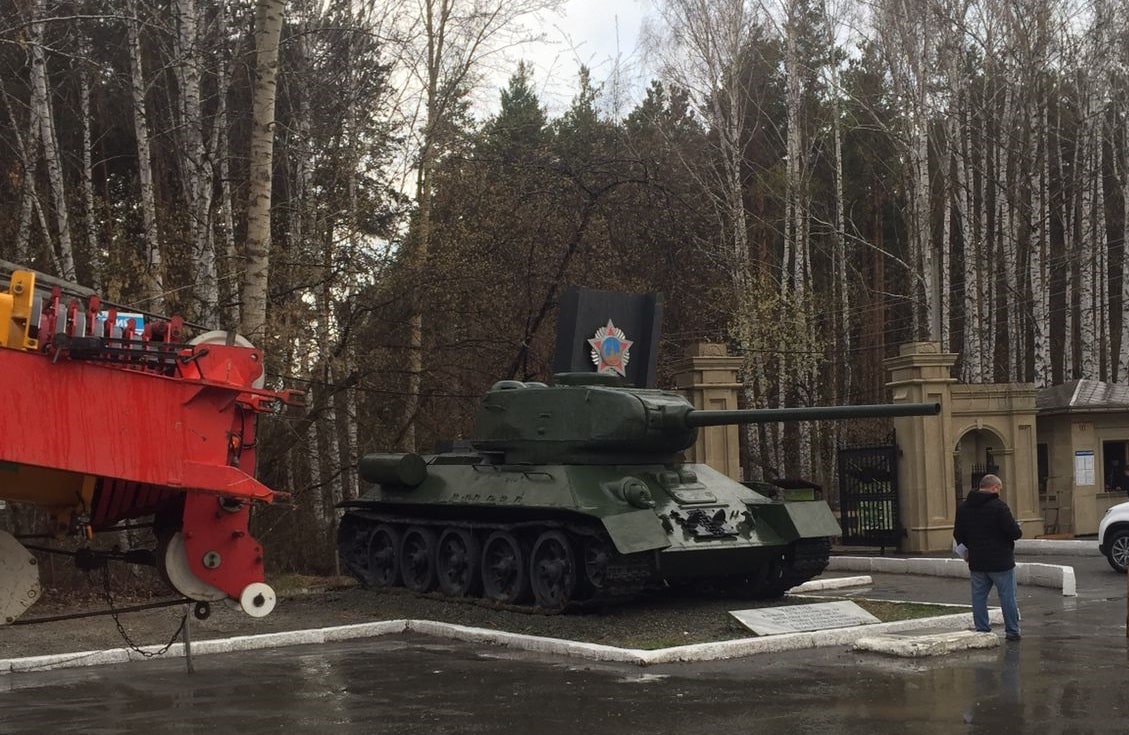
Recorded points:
552,571
353,541
384,556
417,558
457,559
504,575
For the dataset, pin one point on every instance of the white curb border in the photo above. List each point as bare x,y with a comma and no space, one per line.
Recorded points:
1061,547
714,651
1040,575
1044,575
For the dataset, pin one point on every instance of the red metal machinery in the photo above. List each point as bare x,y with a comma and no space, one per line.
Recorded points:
105,421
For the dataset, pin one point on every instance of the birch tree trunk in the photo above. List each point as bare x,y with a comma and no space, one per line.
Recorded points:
904,29
41,101
455,38
351,453
1066,215
268,30
1087,298
1101,259
227,210
91,228
922,222
702,48
843,322
1008,245
151,239
1122,375
316,492
793,297
197,166
27,149
1040,250
984,263
973,358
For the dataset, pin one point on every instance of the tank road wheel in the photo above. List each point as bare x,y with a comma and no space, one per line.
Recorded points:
503,568
597,556
384,556
552,571
771,580
457,557
763,582
417,558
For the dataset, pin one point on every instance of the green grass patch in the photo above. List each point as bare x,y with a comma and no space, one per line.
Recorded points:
717,624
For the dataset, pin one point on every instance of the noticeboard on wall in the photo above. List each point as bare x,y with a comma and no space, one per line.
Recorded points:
1084,467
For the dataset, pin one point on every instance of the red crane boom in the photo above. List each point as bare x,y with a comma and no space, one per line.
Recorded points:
107,419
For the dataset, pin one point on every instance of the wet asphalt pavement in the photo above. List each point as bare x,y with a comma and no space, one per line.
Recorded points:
1068,675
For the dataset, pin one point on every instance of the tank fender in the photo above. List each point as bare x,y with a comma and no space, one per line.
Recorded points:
799,519
637,530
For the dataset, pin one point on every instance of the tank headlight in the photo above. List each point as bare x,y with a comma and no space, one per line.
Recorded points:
636,492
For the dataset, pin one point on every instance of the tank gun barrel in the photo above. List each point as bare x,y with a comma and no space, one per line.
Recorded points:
809,413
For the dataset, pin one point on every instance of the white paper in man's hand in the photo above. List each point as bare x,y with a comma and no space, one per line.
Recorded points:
960,550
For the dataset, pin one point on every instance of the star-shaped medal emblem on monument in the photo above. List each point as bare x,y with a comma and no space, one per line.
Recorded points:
610,350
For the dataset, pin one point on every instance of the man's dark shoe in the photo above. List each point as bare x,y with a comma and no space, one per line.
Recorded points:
1012,636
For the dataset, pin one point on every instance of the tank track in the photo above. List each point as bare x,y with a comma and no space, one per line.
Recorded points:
810,557
542,566
799,562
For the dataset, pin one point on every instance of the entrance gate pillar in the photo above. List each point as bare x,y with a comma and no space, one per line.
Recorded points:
708,378
921,373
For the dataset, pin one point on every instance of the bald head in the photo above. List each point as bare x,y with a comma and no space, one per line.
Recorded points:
990,484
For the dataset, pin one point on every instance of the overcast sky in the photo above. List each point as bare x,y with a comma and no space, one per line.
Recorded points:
590,32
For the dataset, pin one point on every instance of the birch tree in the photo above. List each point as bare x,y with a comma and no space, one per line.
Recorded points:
87,181
150,233
268,30
702,47
196,163
444,53
44,116
1120,159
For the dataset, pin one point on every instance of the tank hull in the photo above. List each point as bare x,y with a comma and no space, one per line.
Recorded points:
554,536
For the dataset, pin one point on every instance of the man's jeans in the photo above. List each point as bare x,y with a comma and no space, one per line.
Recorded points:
1005,588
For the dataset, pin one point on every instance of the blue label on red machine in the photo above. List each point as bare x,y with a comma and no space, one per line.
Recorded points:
122,322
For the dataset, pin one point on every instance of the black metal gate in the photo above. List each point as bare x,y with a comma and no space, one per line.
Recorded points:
868,495
978,472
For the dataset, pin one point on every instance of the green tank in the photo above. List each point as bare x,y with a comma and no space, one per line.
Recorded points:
578,493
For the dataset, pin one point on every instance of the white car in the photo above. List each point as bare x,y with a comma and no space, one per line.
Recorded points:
1113,536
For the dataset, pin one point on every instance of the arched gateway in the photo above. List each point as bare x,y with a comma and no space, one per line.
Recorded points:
981,428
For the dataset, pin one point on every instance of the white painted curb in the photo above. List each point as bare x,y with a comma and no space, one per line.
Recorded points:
1047,575
714,651
1058,547
833,583
1054,576
936,644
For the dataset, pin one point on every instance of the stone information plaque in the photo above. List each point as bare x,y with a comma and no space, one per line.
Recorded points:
800,618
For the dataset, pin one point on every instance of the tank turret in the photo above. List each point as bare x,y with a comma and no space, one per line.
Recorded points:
586,417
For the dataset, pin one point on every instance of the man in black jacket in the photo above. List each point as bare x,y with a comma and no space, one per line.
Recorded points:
985,525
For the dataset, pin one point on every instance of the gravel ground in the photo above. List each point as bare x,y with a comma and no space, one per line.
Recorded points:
650,621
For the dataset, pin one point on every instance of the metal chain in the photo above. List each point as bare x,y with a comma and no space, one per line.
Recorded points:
121,629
